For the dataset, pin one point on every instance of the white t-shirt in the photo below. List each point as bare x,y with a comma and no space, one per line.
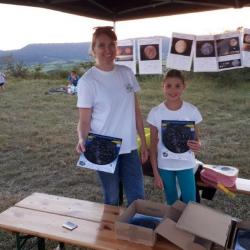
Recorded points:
111,96
187,112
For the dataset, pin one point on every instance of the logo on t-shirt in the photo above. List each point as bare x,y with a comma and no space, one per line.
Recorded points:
129,88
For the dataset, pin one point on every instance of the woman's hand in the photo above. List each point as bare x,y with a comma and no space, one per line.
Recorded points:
194,145
80,147
158,181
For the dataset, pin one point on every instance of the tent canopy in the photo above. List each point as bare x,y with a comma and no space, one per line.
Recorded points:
118,10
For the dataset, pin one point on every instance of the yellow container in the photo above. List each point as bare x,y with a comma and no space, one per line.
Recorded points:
147,135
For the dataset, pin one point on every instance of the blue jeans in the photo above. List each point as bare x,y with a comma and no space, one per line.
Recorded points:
129,172
186,182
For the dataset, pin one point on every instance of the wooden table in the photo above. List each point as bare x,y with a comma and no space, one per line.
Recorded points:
42,215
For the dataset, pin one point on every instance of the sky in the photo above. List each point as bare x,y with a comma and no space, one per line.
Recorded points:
22,25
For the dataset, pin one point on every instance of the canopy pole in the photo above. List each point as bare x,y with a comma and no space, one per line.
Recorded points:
114,25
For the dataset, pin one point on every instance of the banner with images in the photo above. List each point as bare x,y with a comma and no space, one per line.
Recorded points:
205,58
126,54
101,153
150,55
246,48
180,54
174,138
228,47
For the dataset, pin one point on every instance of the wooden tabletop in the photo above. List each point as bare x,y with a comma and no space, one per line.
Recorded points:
42,215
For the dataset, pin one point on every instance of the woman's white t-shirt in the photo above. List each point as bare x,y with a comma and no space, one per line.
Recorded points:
187,112
111,95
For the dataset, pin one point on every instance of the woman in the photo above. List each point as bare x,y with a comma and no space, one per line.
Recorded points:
108,105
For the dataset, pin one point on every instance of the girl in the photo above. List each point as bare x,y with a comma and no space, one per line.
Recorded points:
166,168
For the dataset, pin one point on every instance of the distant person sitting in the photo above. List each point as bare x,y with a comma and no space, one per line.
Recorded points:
72,83
2,81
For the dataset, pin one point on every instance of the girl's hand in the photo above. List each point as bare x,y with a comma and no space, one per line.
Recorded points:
80,147
194,145
158,181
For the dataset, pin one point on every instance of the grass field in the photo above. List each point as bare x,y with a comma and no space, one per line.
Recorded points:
38,137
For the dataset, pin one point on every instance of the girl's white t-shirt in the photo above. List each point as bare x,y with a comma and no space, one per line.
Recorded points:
187,112
111,95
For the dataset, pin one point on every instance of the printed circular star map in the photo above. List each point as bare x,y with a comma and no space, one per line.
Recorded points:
175,138
100,151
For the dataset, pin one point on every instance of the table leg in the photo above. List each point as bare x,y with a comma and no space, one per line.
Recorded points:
40,244
21,240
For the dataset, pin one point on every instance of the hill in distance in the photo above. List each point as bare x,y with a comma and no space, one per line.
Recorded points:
56,52
47,53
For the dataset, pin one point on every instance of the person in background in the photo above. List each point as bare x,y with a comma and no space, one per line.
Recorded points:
2,81
72,82
108,105
166,170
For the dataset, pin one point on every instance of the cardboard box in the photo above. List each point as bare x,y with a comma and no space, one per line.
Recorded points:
233,242
190,227
210,224
167,228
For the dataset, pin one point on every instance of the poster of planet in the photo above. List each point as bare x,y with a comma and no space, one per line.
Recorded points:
150,55
205,59
180,54
228,49
246,48
126,54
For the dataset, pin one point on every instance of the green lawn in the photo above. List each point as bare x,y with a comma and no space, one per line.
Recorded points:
38,138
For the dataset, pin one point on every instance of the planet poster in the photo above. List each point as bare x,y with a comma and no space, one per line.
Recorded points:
150,55
180,54
125,54
228,49
205,59
246,48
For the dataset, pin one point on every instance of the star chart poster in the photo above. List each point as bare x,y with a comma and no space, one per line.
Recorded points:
175,135
101,153
246,48
205,58
150,55
181,51
126,54
228,47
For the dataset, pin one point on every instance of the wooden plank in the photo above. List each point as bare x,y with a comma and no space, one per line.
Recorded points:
88,234
71,207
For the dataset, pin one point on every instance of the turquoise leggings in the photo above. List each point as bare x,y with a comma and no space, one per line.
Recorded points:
186,182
